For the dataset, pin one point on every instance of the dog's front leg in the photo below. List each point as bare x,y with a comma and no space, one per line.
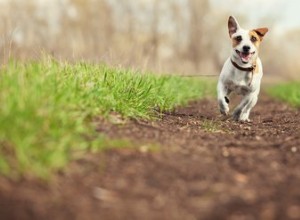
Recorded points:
238,111
223,99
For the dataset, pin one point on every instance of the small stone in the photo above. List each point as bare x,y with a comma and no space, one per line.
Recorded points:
241,178
225,154
104,194
258,138
144,149
294,149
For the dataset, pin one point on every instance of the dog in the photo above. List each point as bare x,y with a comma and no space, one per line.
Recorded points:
242,71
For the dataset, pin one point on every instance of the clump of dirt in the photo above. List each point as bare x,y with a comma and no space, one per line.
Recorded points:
191,164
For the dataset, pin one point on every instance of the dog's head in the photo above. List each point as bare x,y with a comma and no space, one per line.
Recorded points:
245,43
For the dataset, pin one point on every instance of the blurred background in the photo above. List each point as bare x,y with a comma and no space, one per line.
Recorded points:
170,36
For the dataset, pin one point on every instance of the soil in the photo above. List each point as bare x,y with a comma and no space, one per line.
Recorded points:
192,164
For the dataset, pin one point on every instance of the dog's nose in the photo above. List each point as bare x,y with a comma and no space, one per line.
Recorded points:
246,48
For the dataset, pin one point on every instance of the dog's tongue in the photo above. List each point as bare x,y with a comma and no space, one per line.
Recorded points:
245,57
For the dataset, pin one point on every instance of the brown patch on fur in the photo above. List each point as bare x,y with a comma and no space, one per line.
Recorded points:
256,70
258,38
258,33
261,32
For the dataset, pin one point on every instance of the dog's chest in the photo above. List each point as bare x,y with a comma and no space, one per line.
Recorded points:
239,82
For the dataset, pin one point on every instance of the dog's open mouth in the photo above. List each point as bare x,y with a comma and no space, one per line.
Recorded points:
245,57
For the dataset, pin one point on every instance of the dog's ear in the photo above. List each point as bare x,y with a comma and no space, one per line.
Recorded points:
261,32
233,25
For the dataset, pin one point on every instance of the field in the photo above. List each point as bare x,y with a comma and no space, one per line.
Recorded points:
79,141
47,110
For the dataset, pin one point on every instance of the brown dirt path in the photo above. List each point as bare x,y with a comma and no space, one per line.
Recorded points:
206,168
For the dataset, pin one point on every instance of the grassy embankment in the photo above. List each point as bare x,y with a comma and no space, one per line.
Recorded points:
47,109
288,92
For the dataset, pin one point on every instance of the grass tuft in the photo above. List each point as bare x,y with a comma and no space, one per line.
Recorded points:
211,125
47,109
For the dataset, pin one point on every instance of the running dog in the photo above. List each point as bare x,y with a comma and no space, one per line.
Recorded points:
242,71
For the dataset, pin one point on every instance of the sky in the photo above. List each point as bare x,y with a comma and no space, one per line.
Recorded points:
283,13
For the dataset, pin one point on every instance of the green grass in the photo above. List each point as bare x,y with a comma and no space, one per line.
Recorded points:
47,109
211,125
288,92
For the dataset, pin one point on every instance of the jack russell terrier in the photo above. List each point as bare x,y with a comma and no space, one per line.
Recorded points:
242,71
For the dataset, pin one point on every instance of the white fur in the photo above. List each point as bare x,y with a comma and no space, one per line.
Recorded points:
234,80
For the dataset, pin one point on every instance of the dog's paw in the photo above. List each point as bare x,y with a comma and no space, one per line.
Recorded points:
224,109
244,118
237,115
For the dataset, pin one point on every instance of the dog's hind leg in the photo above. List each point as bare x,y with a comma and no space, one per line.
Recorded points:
246,112
242,111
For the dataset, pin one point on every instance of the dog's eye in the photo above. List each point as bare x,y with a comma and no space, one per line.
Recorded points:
253,39
239,38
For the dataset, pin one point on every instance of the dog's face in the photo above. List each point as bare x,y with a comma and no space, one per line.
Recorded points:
245,43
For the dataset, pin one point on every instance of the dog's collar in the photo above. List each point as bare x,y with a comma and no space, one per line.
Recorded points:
246,69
